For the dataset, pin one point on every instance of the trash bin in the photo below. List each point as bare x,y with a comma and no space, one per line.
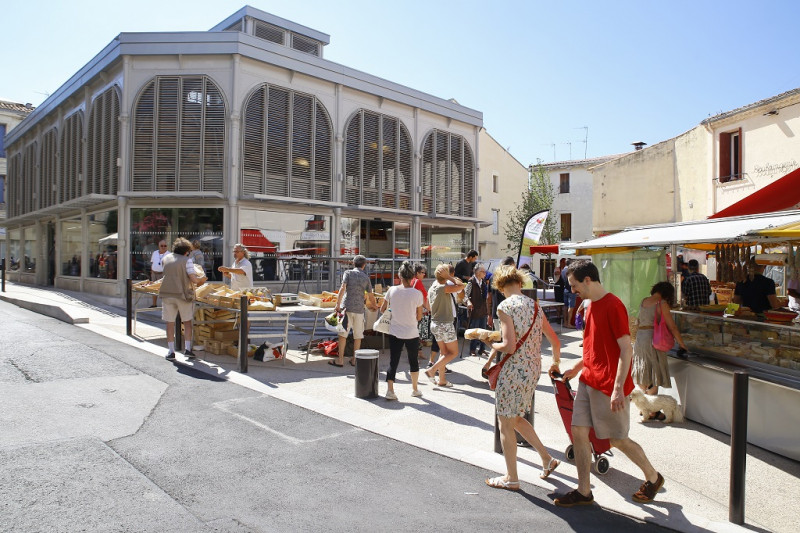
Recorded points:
366,374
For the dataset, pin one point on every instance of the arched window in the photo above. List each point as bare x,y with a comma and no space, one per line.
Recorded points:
378,161
103,139
28,178
70,160
448,175
286,145
179,136
48,193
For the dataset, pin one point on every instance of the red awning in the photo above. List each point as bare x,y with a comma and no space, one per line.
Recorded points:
255,241
780,195
544,249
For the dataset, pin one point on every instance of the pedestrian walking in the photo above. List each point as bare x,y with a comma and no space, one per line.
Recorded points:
522,324
443,311
477,299
601,401
355,283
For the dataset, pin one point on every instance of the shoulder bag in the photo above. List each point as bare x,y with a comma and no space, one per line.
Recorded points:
382,325
663,341
494,371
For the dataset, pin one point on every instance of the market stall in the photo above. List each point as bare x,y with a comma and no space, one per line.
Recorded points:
766,345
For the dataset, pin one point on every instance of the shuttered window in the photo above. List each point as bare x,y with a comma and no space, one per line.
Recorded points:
29,178
268,32
179,136
13,202
304,44
48,192
70,160
378,161
448,175
103,139
286,145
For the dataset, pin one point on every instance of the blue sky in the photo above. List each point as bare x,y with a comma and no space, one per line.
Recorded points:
539,71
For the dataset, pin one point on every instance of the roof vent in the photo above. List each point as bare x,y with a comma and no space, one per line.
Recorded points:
638,145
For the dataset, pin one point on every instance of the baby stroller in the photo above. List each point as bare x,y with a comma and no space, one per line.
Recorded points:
565,399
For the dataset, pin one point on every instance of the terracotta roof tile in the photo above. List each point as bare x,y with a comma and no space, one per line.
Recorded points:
14,106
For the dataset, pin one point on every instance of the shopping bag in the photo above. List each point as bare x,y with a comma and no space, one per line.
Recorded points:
382,325
663,341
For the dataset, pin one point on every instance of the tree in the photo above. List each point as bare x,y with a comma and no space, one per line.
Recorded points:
537,197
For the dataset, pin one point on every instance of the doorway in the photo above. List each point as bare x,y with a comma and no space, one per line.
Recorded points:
50,230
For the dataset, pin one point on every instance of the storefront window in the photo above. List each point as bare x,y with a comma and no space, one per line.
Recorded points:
293,246
444,245
103,245
71,247
29,245
14,249
149,226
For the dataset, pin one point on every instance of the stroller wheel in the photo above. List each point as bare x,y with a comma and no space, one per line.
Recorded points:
570,453
602,465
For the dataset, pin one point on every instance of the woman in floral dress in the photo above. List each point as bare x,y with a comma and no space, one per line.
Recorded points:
519,375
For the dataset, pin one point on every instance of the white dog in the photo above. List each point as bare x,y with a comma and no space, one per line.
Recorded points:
648,405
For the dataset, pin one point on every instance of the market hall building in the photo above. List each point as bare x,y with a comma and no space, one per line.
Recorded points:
243,132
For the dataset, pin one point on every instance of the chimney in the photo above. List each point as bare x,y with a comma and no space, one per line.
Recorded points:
638,145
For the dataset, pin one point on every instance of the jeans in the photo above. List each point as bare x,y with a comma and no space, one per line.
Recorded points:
396,350
475,343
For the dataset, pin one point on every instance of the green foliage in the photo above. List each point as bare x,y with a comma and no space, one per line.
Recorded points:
538,197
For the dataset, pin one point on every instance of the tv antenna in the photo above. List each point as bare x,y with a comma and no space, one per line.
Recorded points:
585,140
554,149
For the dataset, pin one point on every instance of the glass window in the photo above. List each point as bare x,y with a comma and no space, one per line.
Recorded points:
28,248
444,245
14,249
71,247
103,245
149,226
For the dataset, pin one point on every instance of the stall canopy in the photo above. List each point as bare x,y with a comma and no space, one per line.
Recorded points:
256,241
789,231
544,249
780,195
700,233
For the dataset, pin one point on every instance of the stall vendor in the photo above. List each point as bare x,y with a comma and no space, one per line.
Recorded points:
758,293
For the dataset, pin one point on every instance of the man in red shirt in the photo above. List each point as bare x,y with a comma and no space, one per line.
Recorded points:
601,401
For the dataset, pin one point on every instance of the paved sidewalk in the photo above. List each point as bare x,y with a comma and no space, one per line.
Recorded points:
458,423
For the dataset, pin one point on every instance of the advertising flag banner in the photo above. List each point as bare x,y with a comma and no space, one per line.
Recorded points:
531,236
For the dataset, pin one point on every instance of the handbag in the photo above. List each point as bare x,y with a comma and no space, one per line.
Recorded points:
494,371
424,327
382,325
663,341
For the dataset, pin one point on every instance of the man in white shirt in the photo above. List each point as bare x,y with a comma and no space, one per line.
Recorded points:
241,273
157,265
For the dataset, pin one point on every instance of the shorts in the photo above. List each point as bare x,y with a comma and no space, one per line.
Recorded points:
444,332
355,323
569,299
170,307
592,408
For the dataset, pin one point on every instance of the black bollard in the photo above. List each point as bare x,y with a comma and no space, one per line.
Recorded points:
738,447
129,307
178,331
243,301
3,268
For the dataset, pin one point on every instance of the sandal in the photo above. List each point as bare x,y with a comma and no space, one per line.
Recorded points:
432,379
501,483
647,492
352,363
447,385
334,363
551,466
484,373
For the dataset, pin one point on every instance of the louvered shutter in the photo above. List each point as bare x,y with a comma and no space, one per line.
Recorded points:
213,169
278,143
47,196
28,188
12,185
191,134
253,147
304,44
166,140
405,162
442,183
370,181
323,154
428,171
456,176
144,139
103,139
469,182
353,160
302,133
389,162
71,158
268,32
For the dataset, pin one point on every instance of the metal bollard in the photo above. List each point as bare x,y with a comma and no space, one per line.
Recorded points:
243,334
129,307
178,332
738,447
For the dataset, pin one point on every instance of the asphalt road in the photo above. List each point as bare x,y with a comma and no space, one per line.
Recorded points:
100,436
